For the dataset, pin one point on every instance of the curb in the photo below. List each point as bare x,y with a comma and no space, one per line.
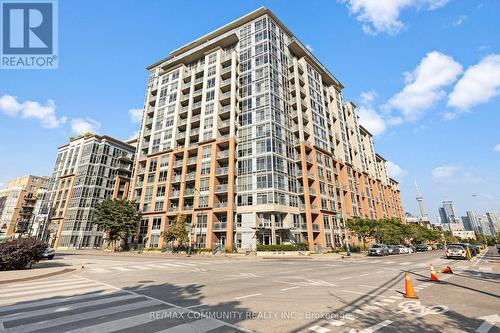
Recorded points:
66,270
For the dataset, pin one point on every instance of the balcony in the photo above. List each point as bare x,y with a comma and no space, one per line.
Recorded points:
226,72
221,188
223,154
174,194
191,160
188,207
189,192
196,106
226,84
222,171
191,176
225,110
220,226
312,192
183,110
176,179
172,209
194,131
220,205
225,98
225,123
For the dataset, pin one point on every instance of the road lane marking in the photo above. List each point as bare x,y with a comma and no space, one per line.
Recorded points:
47,282
289,288
336,323
344,278
100,270
247,296
388,300
121,269
376,327
365,274
319,329
80,285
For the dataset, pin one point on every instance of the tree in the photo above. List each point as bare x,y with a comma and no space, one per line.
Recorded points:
176,232
117,217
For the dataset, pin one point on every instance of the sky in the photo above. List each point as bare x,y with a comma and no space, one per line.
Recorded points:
425,75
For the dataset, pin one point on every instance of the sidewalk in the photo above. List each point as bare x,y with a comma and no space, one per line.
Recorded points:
37,272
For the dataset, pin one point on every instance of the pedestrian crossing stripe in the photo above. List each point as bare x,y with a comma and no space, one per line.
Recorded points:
99,310
319,329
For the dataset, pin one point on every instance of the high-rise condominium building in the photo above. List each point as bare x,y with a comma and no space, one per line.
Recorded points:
89,169
246,133
17,203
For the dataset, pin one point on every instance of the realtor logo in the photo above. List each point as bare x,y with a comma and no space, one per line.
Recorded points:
29,34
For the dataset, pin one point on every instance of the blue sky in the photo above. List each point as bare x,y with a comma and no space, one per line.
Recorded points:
424,74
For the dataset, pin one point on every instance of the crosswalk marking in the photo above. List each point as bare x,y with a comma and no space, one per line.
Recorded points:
121,269
142,268
100,270
388,300
5,291
82,284
405,263
201,325
69,307
124,323
171,265
80,316
28,284
319,329
336,323
25,307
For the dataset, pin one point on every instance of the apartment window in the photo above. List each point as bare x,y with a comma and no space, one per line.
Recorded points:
172,97
160,191
205,168
162,177
156,223
210,83
245,200
210,95
212,58
207,135
202,221
204,184
164,160
203,201
153,241
244,166
264,163
208,123
264,181
245,149
209,109
206,151
158,206
211,71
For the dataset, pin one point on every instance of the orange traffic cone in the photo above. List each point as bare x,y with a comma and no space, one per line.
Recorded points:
447,270
434,276
409,292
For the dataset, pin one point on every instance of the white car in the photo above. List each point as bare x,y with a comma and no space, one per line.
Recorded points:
403,249
49,253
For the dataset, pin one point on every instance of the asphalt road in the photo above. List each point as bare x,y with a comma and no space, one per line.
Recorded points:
157,293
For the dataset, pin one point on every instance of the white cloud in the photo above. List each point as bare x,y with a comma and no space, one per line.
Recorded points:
394,170
369,118
479,84
424,86
309,47
135,115
453,173
461,19
80,126
379,16
46,114
445,173
497,147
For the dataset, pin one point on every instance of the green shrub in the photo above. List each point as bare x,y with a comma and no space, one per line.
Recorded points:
302,246
21,253
152,249
281,247
203,250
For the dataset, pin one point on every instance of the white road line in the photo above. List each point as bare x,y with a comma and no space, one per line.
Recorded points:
80,316
344,278
477,262
290,288
185,264
121,269
124,323
100,270
319,329
365,274
79,285
376,327
379,304
395,297
202,325
371,307
247,296
171,265
361,312
141,268
42,287
46,282
68,307
26,306
388,300
405,263
336,323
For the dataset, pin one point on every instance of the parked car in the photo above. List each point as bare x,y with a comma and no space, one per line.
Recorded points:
429,248
391,249
49,253
378,250
421,248
456,251
403,249
440,246
411,248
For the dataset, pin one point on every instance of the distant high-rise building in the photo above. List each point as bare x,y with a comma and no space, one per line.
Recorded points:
89,169
484,225
449,211
467,223
420,200
443,219
473,220
494,222
17,204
